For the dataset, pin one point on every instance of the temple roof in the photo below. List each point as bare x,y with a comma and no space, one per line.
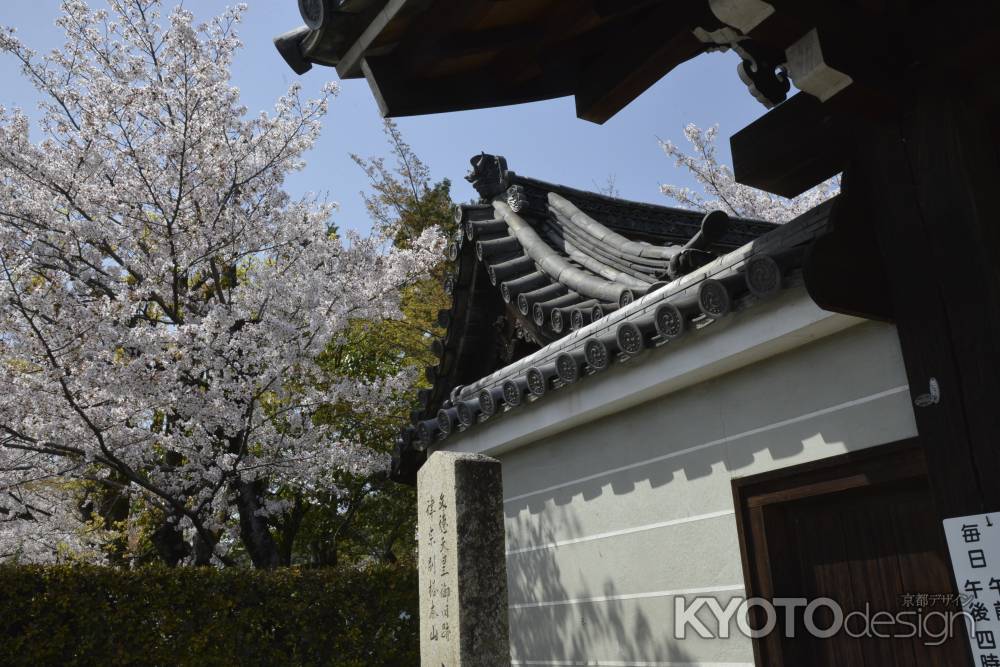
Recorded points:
429,56
535,264
852,62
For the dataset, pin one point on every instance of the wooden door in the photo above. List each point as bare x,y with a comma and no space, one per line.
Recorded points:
862,530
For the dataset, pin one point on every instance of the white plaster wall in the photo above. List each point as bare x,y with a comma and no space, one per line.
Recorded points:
609,521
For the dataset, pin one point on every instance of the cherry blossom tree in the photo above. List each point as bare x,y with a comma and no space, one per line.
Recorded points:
720,189
163,299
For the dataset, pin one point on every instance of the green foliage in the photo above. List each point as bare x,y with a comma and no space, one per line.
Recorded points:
404,198
371,518
85,615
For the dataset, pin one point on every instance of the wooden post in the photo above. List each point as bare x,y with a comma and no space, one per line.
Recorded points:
927,183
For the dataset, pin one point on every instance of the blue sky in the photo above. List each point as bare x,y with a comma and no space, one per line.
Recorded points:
544,140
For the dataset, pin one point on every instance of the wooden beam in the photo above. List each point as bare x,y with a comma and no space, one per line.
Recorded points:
555,53
399,93
433,35
349,66
791,148
459,44
519,73
654,42
843,269
608,8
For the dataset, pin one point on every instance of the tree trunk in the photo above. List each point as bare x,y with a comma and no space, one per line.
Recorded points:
254,531
169,544
202,551
289,529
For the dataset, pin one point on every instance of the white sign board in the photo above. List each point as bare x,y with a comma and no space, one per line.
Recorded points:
974,545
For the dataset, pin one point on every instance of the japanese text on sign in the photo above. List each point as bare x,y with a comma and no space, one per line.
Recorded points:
437,568
974,546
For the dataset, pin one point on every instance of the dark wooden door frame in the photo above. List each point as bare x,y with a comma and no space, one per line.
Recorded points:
872,467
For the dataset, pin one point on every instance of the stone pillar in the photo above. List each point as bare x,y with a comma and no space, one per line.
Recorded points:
463,571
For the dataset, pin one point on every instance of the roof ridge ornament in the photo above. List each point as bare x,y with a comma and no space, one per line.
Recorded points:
517,198
489,175
695,253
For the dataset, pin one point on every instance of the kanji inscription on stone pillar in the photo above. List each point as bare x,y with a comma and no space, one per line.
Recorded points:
463,574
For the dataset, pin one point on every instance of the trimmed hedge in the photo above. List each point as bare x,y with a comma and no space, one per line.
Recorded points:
81,615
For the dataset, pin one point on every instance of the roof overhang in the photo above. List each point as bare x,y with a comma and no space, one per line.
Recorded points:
855,63
781,325
430,56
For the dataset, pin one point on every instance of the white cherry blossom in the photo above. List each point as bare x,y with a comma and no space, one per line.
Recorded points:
162,298
720,189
